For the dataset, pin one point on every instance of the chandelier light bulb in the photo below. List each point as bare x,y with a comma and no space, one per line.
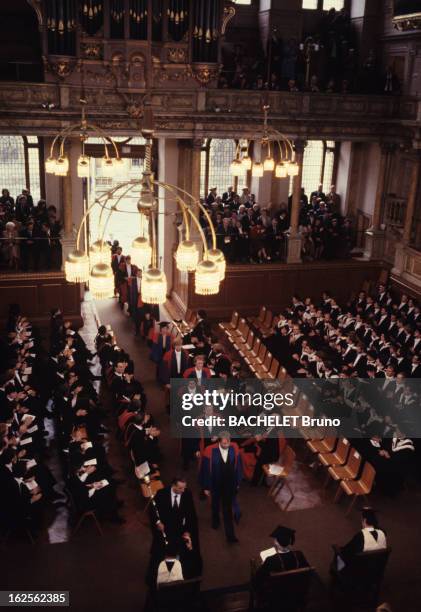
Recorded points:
257,170
83,166
207,278
217,256
101,281
154,286
269,164
247,163
62,166
99,252
108,169
281,171
141,252
119,167
187,256
50,165
237,168
293,169
76,267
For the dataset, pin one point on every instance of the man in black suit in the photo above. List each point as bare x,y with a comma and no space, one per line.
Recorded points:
174,515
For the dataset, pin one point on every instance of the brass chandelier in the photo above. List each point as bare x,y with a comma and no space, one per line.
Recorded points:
207,263
270,139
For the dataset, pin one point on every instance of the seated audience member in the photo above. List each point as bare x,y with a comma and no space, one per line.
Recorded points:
369,538
280,558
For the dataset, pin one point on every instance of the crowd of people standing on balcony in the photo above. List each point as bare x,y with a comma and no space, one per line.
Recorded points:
247,232
333,62
29,234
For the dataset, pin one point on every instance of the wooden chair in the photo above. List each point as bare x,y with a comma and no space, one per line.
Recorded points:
262,371
266,326
349,471
362,577
232,325
358,488
281,480
242,329
281,591
259,320
149,491
337,457
325,445
81,515
274,367
175,596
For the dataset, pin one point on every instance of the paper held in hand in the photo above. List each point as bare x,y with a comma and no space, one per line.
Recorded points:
275,469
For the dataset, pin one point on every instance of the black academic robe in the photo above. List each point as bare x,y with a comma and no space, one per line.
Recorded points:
176,520
280,562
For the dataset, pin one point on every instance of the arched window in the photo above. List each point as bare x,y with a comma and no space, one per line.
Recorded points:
20,165
318,165
216,157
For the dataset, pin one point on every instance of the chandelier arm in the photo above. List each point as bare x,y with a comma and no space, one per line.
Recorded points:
105,138
152,221
202,208
62,134
110,213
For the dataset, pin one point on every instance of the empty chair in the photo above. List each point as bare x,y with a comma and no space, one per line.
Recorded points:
274,367
263,370
261,354
361,487
232,325
337,457
266,326
241,329
281,479
259,320
325,445
349,471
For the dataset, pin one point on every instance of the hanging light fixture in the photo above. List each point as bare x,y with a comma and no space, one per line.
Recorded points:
237,168
257,170
187,256
144,249
108,168
101,281
83,166
76,267
293,169
99,252
62,166
207,278
269,164
119,167
154,286
141,252
217,257
50,165
281,171
246,161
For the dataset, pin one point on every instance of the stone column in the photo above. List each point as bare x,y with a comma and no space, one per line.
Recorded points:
375,235
399,263
167,207
294,241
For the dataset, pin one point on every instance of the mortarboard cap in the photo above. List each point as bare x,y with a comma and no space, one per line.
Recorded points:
283,535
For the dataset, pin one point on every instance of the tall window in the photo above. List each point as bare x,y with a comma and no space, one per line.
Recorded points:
216,157
318,165
326,5
20,165
336,4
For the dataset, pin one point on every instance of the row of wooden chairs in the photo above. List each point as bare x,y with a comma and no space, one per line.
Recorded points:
265,321
251,348
344,463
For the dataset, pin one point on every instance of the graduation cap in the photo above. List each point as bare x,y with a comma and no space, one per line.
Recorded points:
283,535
